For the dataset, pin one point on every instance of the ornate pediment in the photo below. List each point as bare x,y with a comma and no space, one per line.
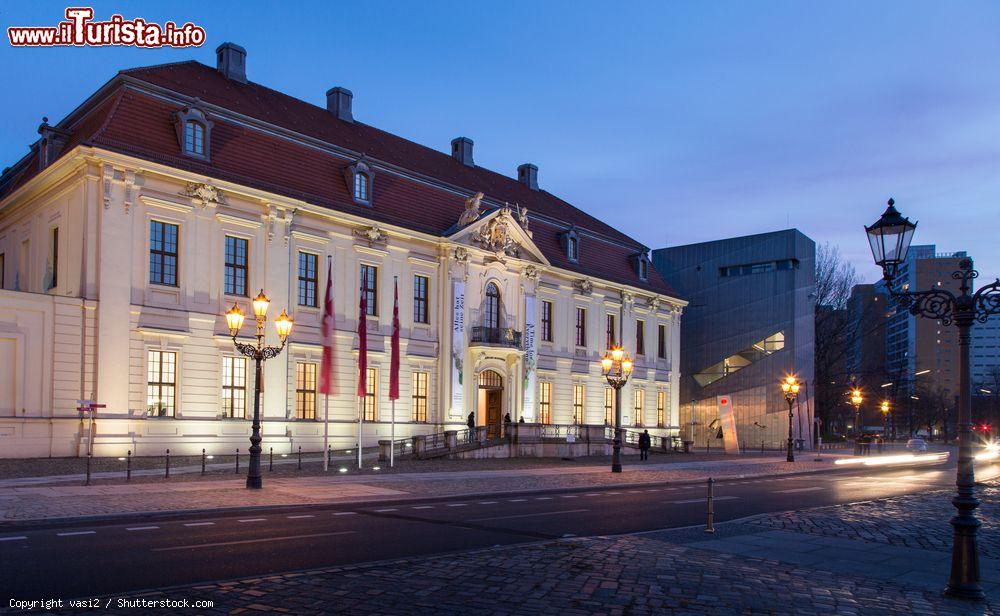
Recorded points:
498,232
496,235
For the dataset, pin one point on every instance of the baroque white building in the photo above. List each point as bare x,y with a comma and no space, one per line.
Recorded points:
177,190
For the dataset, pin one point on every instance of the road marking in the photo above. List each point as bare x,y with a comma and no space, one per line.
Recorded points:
299,517
202,523
797,490
385,510
346,513
221,543
487,502
456,504
702,500
633,491
517,500
653,490
528,515
592,494
77,532
544,498
568,496
17,538
612,492
251,520
143,528
425,507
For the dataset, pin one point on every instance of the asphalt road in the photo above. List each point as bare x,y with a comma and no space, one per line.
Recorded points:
87,559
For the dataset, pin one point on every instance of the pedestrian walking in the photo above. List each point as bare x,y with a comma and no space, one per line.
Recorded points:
644,445
471,422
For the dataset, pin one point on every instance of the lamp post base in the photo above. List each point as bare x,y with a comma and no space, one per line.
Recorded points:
254,483
616,457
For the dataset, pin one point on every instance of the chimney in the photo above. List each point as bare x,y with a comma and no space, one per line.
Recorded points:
339,103
461,150
527,174
231,61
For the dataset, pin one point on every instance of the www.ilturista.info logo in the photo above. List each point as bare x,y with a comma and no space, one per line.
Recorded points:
80,30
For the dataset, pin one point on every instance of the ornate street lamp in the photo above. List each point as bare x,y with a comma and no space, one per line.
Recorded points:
616,366
890,238
856,400
790,387
259,353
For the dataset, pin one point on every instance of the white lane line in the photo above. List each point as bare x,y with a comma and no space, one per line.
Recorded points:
385,510
568,496
15,538
517,500
221,543
202,523
592,494
544,498
456,504
528,515
612,492
143,528
251,520
653,490
425,507
77,532
797,490
633,491
702,500
346,513
299,517
487,503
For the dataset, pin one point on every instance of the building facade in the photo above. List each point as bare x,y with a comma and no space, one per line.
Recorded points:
749,324
178,190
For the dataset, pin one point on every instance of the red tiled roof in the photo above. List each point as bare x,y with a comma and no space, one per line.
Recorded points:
137,124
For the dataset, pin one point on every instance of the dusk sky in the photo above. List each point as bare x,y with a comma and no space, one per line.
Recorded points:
676,122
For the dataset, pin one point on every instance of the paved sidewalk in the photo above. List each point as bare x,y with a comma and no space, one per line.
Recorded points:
26,502
764,572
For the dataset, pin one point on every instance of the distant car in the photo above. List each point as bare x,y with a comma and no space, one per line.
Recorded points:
916,444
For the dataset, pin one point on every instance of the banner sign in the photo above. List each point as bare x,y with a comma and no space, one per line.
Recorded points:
727,417
530,359
457,348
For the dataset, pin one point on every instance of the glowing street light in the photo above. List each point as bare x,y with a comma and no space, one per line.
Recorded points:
616,366
790,387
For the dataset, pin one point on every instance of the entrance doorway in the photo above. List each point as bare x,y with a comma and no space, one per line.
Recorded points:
491,402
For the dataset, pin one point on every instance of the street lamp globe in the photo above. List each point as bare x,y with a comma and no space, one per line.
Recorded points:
284,325
889,238
234,319
856,398
885,407
260,304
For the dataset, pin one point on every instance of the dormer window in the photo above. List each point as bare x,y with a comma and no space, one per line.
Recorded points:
571,244
194,138
194,132
641,263
360,181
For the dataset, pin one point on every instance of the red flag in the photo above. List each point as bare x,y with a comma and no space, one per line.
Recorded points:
394,355
363,345
326,370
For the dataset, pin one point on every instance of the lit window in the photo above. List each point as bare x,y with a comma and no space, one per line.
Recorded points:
420,396
162,253
545,402
371,395
609,406
640,398
234,387
420,299
308,279
161,382
661,407
194,138
235,277
305,390
772,344
369,286
578,397
581,327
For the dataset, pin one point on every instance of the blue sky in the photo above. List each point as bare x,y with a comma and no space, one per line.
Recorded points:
676,122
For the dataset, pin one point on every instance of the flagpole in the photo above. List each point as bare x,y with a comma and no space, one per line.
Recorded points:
395,341
326,432
361,419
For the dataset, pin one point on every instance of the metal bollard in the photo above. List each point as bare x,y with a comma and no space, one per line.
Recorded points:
167,475
237,460
300,457
270,460
128,466
709,528
329,454
202,461
708,444
89,456
762,448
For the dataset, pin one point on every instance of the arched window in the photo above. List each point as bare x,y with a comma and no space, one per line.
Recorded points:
194,138
361,186
491,311
571,249
571,244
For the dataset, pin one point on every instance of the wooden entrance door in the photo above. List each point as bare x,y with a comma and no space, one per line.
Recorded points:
493,415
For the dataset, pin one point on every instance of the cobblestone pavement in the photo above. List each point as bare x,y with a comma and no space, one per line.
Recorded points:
927,527
649,573
33,502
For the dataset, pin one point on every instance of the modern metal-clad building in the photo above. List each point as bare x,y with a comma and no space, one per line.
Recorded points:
750,322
